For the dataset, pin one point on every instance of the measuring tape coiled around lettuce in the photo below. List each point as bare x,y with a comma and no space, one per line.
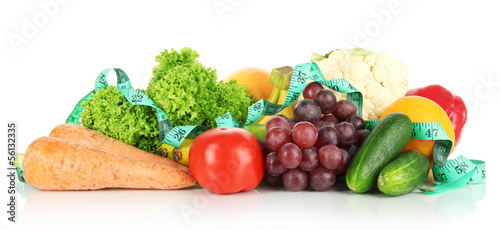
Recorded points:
168,133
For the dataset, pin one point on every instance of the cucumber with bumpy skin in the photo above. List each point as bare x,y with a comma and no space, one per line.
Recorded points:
404,174
383,144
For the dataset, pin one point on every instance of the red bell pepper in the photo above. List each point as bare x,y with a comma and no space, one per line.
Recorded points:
453,105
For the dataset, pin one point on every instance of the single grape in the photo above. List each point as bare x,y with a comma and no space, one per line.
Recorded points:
265,149
356,121
327,135
347,134
330,118
272,164
326,100
344,109
321,178
307,110
277,137
345,164
330,156
272,180
278,121
309,159
290,155
361,136
321,123
295,179
311,89
304,134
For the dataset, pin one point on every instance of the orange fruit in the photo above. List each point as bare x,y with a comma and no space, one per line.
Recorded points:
256,80
421,109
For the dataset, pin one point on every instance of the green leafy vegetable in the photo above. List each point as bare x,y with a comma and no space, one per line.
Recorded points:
186,91
189,93
110,113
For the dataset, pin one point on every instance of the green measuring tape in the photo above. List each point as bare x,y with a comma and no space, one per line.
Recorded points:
457,173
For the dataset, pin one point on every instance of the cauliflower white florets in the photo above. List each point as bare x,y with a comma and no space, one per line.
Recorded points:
380,77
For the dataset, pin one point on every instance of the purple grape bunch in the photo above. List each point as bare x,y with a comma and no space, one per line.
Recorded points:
317,145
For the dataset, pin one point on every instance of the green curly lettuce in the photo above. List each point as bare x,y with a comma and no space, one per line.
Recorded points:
189,93
111,114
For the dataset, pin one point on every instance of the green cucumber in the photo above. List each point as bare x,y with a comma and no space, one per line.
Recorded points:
382,145
404,174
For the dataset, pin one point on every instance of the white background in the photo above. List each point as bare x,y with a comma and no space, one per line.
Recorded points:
52,51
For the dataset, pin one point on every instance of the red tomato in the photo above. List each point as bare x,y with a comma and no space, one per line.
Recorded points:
226,160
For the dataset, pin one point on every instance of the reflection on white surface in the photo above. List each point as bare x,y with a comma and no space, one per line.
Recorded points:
261,207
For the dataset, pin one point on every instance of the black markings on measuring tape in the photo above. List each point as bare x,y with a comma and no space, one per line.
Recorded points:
165,125
177,134
301,80
121,76
452,170
101,80
300,74
441,150
257,108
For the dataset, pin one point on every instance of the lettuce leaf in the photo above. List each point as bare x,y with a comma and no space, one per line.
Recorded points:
189,93
110,113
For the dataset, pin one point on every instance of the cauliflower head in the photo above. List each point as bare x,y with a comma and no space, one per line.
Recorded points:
380,77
